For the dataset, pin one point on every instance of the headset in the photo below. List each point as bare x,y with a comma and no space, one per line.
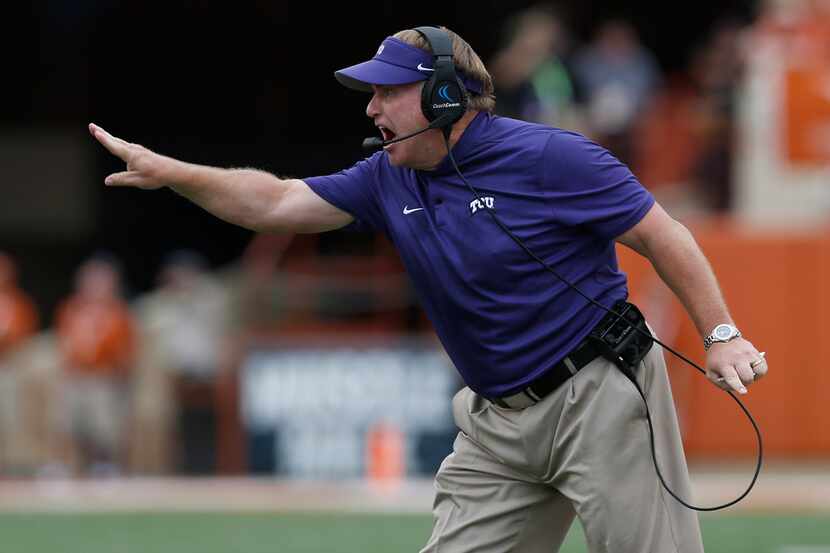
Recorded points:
444,97
444,100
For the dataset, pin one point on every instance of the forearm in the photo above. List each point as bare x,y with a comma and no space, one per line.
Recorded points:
681,264
678,260
244,197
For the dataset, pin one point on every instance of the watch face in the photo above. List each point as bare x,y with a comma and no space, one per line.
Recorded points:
723,332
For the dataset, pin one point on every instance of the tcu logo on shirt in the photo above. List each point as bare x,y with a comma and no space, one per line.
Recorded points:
477,204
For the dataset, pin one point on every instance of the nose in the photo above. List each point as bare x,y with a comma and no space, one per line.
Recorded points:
372,107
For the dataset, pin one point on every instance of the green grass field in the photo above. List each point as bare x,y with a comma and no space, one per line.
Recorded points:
177,532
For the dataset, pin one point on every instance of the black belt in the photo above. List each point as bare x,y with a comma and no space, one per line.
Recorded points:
549,381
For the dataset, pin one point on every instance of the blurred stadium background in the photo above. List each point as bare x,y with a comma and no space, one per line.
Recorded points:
250,393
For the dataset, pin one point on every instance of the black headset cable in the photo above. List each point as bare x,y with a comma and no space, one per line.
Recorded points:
628,374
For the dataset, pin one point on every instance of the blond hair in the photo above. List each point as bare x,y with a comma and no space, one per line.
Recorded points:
466,62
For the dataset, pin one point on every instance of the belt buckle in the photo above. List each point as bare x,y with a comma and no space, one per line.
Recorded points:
520,400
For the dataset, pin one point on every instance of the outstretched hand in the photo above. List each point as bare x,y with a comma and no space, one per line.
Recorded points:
145,169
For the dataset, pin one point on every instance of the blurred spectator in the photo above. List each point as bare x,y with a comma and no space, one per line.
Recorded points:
685,143
615,78
187,320
531,79
796,16
96,340
259,296
18,321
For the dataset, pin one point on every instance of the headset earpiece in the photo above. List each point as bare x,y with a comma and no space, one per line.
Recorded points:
443,95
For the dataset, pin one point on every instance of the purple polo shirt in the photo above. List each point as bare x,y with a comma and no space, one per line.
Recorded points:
502,318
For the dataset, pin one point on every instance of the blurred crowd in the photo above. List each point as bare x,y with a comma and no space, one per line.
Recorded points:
674,130
144,385
113,386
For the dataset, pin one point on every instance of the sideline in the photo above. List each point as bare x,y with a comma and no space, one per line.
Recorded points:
782,488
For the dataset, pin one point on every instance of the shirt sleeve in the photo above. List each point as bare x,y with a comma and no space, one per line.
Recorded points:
353,191
592,188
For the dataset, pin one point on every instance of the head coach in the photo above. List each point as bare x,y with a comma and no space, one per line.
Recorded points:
549,428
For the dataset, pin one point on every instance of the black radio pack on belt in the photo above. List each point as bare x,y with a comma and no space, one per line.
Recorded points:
622,336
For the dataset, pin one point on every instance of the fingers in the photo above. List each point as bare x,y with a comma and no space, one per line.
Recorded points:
745,372
717,380
115,145
760,370
735,365
130,178
759,366
738,378
139,160
730,380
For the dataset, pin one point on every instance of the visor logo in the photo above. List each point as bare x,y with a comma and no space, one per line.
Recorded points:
379,50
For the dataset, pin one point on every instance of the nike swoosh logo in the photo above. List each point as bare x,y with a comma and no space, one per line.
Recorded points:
407,211
422,68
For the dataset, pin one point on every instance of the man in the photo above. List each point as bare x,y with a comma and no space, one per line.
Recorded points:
528,458
187,318
96,338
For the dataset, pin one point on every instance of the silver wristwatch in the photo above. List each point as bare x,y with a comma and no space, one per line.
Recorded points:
721,333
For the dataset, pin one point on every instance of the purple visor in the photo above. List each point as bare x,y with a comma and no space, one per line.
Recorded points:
395,62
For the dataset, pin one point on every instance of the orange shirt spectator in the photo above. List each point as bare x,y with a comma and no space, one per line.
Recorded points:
95,329
95,336
18,317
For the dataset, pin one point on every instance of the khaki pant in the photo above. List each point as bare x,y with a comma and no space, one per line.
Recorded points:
94,411
9,415
517,477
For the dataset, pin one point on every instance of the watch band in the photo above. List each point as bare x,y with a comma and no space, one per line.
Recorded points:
707,342
712,338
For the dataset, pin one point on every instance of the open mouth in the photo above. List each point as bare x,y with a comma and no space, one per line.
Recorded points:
386,133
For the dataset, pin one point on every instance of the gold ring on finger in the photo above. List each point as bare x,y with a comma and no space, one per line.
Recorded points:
758,361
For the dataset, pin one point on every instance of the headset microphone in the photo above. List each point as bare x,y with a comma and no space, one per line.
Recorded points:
373,142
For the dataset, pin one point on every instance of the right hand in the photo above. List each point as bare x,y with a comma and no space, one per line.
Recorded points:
145,169
730,365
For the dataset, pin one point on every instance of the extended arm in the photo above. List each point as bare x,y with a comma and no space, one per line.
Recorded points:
250,198
681,264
